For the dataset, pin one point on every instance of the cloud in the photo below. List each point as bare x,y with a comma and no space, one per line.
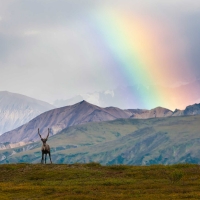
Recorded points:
47,50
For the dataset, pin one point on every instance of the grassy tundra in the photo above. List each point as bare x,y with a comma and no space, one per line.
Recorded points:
93,181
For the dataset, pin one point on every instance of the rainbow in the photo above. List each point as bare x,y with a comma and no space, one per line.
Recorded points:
134,44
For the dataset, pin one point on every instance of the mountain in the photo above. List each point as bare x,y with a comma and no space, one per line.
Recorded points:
192,110
189,110
81,113
153,113
123,141
17,109
61,118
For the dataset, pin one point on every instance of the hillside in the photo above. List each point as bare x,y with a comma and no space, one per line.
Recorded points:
82,113
16,110
123,141
93,181
61,118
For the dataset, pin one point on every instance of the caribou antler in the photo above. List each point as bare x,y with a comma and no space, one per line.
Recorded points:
48,133
39,133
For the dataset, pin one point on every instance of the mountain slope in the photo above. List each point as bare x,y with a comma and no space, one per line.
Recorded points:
151,141
153,113
61,118
192,110
16,110
81,113
123,141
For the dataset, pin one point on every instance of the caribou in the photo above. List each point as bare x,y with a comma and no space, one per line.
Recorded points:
45,147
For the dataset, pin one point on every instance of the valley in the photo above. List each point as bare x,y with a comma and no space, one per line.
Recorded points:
83,133
122,141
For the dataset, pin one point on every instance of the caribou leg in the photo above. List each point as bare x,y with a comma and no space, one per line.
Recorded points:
50,157
42,160
45,157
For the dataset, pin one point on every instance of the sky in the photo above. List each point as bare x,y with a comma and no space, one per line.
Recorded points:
55,49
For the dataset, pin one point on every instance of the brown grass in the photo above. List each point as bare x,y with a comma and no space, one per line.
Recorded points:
93,181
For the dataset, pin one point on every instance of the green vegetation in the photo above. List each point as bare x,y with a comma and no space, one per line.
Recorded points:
124,141
93,181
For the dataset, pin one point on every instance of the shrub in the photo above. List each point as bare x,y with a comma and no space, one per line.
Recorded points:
175,176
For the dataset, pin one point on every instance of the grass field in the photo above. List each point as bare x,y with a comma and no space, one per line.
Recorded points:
93,181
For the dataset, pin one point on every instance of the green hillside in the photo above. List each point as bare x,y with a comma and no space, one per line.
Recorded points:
124,141
93,181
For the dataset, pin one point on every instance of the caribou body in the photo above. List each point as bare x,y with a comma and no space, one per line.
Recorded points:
45,147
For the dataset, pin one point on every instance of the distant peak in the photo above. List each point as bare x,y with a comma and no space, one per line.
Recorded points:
160,108
194,105
177,110
83,102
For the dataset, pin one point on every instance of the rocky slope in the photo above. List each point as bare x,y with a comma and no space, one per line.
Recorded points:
192,110
153,113
16,110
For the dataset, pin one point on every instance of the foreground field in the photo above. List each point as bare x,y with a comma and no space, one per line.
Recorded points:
93,181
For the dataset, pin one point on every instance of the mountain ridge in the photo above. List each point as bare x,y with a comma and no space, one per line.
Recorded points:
60,118
17,109
82,113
